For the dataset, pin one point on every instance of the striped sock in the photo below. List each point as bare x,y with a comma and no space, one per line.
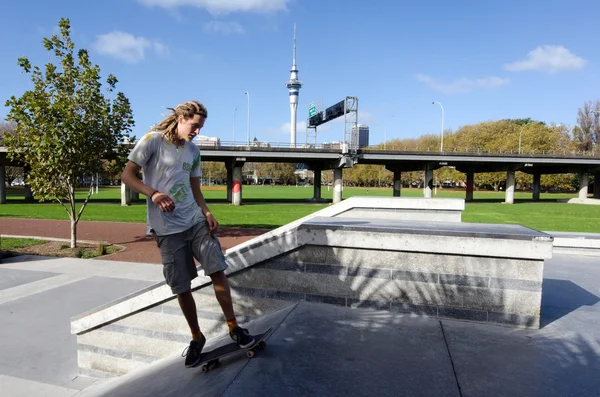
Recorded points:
232,323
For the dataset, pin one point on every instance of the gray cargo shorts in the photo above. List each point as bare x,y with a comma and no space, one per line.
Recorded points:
179,250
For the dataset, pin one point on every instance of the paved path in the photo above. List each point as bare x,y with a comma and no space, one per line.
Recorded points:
38,296
138,247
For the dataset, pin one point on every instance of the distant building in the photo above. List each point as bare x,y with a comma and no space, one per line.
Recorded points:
257,143
332,145
208,141
362,136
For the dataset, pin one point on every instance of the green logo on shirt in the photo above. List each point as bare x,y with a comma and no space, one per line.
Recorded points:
187,167
179,192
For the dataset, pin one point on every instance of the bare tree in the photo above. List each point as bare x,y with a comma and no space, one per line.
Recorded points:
587,119
11,173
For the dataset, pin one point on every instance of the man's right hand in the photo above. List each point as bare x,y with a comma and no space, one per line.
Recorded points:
163,202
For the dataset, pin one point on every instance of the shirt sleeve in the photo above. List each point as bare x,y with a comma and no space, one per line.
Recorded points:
143,150
195,172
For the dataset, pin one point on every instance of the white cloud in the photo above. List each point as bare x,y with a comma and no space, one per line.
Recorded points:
222,6
300,128
224,27
548,58
463,84
127,47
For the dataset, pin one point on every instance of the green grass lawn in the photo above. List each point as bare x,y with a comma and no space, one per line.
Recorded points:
271,207
8,243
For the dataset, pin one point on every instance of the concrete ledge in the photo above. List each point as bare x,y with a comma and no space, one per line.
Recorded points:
506,241
587,201
576,243
400,204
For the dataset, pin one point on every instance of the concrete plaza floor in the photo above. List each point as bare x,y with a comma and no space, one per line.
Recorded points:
315,348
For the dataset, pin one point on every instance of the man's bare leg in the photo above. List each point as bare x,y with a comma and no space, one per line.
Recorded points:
223,294
188,307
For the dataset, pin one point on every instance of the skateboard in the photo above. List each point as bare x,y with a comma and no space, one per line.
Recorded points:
210,359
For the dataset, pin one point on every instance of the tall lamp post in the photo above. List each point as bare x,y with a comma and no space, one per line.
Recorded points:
442,144
520,135
248,140
234,112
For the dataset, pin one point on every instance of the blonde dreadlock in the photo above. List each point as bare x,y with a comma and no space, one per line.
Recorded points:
188,109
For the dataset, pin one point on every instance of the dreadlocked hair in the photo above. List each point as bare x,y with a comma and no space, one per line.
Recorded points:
188,109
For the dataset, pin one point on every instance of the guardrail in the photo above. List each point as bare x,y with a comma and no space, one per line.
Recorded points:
393,149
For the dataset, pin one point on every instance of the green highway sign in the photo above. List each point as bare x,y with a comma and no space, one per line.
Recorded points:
312,110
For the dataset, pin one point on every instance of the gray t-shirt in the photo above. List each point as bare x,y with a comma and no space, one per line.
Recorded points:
168,169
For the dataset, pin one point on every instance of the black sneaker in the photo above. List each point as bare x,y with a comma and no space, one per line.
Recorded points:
242,337
192,352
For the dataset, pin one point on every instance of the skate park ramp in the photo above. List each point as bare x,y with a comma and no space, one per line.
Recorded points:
327,350
315,349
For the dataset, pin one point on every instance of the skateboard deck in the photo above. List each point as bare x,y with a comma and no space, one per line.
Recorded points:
210,359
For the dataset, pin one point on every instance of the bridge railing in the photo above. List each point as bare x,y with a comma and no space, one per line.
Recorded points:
394,148
485,151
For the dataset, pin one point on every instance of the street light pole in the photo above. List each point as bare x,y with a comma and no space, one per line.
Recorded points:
234,112
442,144
520,135
248,140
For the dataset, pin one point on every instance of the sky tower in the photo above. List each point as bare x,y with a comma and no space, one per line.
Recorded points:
293,86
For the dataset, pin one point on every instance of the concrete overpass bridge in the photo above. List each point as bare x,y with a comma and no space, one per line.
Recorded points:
318,159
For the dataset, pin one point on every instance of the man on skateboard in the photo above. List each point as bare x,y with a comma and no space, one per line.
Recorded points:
177,213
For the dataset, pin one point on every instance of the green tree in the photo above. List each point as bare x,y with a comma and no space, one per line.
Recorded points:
214,171
65,125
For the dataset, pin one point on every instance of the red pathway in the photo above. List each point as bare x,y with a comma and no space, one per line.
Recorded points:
138,246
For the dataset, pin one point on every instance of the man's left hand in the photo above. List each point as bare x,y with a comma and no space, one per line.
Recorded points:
213,225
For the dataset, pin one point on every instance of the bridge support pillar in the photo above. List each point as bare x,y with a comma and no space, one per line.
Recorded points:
337,185
510,188
428,182
470,183
125,195
536,186
597,185
28,193
229,182
583,184
317,184
236,186
2,184
397,183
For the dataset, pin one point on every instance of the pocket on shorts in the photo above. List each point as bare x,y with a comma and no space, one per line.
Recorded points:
168,261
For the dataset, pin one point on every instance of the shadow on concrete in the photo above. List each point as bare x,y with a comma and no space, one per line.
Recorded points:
561,297
16,257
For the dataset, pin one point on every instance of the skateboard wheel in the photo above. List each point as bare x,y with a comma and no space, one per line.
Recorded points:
204,368
250,353
262,345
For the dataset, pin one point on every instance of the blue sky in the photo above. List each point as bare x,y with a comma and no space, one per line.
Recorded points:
482,60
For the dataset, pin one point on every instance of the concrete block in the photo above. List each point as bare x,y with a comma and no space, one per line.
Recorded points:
417,277
107,364
462,314
514,320
306,254
457,279
422,310
129,344
505,301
